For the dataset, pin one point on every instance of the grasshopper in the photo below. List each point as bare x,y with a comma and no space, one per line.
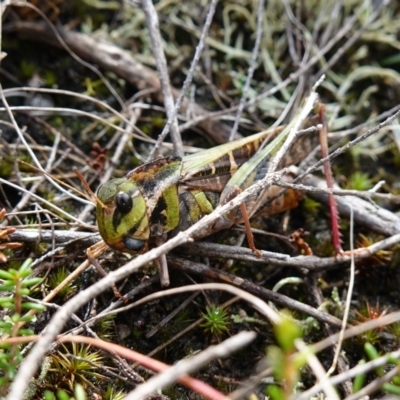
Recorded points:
160,198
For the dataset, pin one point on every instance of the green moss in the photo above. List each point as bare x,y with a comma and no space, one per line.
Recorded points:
215,320
105,327
57,277
50,78
358,181
27,68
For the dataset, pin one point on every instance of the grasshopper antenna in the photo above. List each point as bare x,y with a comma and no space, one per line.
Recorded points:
63,183
92,195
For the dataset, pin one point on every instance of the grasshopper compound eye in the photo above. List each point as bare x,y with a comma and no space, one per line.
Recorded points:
133,244
124,202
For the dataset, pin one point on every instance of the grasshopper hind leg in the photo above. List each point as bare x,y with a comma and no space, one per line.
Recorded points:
249,233
235,217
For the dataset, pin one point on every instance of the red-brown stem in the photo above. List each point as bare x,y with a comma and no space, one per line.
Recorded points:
196,385
323,138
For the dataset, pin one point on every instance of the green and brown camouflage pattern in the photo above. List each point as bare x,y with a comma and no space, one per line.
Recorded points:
168,195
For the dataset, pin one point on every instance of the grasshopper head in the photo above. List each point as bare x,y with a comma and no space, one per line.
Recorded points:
122,216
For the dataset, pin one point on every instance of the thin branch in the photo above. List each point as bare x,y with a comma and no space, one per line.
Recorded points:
116,156
350,144
48,203
161,62
200,229
252,67
171,315
70,51
32,154
310,263
347,132
74,111
358,330
81,96
375,385
256,290
172,374
295,126
348,25
352,373
30,364
365,213
348,299
318,370
353,38
121,62
150,363
256,302
366,195
188,79
27,195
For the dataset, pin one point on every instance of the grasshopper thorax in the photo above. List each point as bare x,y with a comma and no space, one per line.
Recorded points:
122,216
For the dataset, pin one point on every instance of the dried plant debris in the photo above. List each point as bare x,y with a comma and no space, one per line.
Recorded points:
134,98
